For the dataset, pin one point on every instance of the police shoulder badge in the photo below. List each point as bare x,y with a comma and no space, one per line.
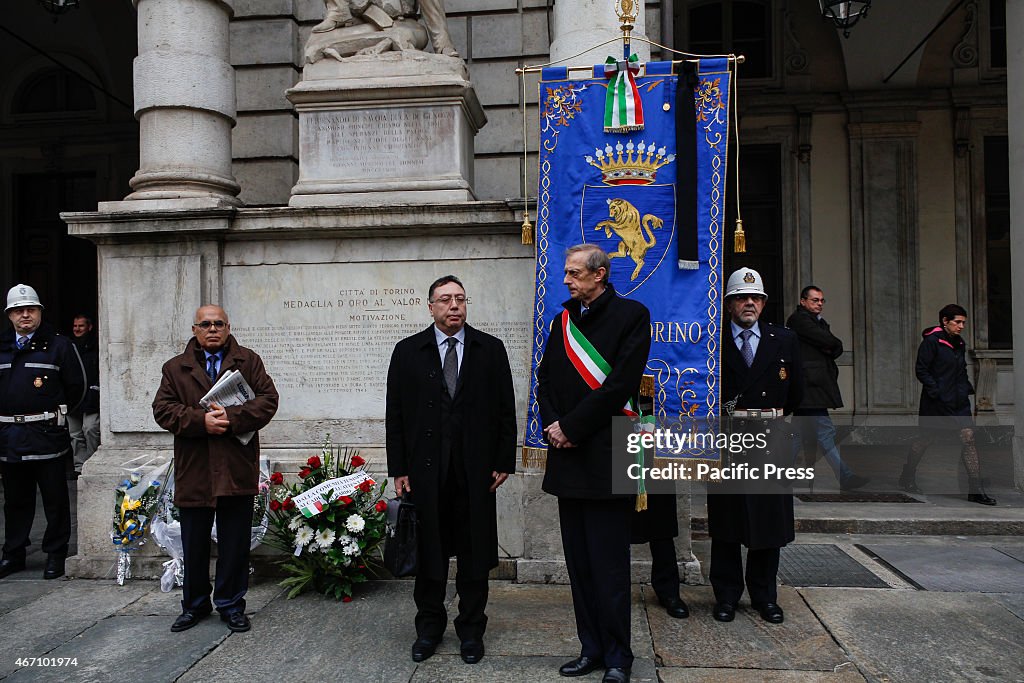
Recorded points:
37,382
783,374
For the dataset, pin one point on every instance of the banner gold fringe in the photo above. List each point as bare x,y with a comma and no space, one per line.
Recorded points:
641,502
647,386
536,458
739,238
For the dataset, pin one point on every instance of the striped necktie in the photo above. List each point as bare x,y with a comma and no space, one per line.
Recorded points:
746,350
22,342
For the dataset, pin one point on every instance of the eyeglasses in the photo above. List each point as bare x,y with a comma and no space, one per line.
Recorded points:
207,324
448,298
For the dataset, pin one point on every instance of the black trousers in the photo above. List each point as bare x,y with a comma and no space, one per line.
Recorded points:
595,539
664,569
20,482
234,536
456,540
727,575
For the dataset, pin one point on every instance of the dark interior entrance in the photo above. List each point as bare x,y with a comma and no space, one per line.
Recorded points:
61,268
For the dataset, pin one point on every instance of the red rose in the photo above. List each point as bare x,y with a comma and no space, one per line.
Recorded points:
357,461
346,501
305,472
365,487
288,504
276,478
275,506
314,462
381,506
347,598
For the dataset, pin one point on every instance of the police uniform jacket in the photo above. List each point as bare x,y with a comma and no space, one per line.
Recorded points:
819,349
45,374
482,430
207,466
620,330
775,380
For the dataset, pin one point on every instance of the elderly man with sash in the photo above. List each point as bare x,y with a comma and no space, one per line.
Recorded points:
591,371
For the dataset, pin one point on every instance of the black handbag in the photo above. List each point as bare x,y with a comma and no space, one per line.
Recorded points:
400,556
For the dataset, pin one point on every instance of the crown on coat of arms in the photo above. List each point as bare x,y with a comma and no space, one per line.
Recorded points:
748,278
629,164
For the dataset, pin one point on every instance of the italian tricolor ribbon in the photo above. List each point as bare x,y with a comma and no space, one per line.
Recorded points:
587,360
623,110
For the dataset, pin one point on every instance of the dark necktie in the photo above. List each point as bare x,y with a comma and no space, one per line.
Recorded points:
451,366
22,341
746,350
211,368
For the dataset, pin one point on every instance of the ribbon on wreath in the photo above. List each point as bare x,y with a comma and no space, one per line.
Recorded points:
623,110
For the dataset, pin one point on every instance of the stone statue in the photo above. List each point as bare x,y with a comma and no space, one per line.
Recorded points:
368,27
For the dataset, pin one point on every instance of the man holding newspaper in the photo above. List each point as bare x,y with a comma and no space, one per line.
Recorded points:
214,397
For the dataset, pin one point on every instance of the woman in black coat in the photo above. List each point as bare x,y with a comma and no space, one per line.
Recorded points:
945,400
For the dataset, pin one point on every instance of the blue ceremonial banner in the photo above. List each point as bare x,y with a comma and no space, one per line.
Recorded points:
656,207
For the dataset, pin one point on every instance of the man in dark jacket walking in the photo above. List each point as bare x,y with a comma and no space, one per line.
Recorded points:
451,441
762,380
819,349
41,378
84,423
597,329
214,472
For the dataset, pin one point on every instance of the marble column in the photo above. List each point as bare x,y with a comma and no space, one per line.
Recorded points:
185,104
1015,128
578,25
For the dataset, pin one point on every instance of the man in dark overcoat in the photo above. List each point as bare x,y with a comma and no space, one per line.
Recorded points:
41,380
451,442
819,349
762,380
214,472
595,522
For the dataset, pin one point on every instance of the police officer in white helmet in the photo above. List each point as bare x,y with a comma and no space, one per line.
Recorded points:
41,377
762,380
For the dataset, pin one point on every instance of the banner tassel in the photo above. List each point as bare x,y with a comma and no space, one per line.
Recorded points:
641,502
647,386
739,239
527,229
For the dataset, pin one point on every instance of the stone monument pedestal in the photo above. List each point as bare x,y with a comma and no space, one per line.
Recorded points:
394,128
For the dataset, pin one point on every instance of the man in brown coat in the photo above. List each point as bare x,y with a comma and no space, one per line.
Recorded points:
214,473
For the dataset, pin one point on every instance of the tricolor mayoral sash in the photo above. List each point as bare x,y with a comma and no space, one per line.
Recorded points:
650,191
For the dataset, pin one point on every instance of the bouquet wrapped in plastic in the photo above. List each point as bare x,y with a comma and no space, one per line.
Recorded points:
135,502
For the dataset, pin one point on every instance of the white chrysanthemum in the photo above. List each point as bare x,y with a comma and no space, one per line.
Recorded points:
325,539
345,539
303,535
296,522
350,549
355,523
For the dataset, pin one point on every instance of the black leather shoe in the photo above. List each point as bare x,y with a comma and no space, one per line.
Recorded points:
472,651
8,567
580,666
852,482
615,675
675,607
723,611
54,567
770,612
982,498
187,620
237,621
424,649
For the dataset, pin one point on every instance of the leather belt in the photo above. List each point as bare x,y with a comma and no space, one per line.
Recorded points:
21,419
758,413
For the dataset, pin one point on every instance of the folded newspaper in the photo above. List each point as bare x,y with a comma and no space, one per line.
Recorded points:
230,390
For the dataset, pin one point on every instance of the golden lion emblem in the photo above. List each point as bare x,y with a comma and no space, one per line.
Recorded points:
627,224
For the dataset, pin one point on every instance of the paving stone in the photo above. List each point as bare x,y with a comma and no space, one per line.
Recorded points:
1011,601
168,605
920,636
1015,552
313,638
451,669
44,624
801,643
143,646
846,674
15,594
941,568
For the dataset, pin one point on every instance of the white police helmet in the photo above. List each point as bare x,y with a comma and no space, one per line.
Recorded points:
22,295
745,281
